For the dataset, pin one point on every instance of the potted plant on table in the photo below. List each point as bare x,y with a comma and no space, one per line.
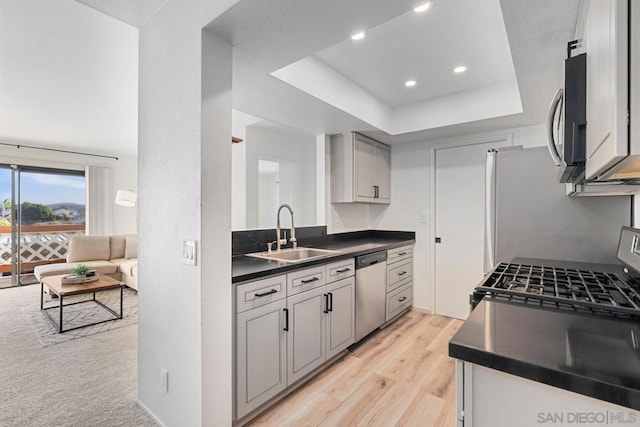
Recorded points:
81,270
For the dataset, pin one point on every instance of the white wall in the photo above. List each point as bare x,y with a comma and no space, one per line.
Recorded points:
185,181
298,152
69,77
215,234
239,123
124,175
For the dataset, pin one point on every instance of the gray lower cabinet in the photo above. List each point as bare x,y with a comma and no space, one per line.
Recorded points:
280,342
321,325
341,316
306,339
261,355
399,281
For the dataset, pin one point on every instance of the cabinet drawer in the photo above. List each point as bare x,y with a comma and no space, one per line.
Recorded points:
304,280
399,300
256,294
399,273
340,270
398,254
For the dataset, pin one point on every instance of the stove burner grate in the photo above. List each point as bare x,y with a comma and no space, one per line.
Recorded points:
563,288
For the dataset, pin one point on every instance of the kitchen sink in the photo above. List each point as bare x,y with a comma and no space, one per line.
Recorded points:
294,255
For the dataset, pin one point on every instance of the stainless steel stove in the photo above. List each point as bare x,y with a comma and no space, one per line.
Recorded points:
596,292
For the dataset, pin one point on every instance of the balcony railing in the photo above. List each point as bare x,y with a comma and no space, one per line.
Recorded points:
39,244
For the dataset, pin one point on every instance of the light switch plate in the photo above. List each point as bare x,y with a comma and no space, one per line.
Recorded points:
164,380
424,217
189,252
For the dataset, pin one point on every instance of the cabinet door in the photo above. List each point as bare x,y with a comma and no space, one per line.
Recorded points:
260,356
606,41
305,340
383,174
364,163
340,321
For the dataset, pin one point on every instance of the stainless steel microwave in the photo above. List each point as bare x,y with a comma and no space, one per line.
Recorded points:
567,120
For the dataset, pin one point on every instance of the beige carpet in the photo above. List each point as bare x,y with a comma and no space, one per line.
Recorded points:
89,381
81,314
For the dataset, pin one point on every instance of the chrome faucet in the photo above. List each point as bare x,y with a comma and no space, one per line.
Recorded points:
282,242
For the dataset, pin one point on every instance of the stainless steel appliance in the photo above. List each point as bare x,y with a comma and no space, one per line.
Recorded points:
529,215
568,117
371,288
567,137
615,292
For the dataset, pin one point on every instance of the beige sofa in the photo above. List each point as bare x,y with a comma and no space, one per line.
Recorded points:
115,256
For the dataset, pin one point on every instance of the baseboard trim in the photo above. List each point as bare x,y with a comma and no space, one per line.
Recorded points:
421,310
151,414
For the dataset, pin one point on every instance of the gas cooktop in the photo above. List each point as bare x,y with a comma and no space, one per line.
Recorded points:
564,288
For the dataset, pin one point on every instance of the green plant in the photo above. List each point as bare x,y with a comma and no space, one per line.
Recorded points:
81,270
34,212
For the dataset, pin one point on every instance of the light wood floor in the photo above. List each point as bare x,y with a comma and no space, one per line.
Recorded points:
401,376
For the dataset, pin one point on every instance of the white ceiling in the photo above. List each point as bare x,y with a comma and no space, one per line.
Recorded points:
426,47
268,35
68,74
68,78
132,12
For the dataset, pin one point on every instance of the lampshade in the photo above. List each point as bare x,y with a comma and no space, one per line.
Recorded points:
126,198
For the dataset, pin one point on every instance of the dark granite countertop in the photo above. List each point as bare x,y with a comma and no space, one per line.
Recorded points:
596,356
246,268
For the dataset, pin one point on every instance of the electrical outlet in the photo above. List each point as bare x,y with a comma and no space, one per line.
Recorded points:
164,380
189,252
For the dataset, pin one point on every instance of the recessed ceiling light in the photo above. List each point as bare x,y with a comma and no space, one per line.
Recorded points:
410,83
423,7
359,36
460,69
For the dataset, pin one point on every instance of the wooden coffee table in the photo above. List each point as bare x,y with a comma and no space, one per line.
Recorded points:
55,286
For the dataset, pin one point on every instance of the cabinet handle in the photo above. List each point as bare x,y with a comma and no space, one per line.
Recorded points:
402,253
344,270
402,273
402,299
264,294
376,192
330,301
286,319
326,303
314,279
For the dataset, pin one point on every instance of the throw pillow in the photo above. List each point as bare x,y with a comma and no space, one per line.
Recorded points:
131,248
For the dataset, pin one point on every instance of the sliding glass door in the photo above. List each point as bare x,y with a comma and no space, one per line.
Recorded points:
42,209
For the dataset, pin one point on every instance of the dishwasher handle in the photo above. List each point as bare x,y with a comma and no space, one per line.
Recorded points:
370,259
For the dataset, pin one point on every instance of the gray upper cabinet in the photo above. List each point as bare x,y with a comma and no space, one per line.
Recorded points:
606,41
340,323
261,356
360,169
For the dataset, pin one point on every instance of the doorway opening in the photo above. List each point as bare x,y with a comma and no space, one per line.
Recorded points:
41,209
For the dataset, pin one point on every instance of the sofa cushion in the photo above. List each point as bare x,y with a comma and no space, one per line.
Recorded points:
88,248
118,261
117,246
131,247
128,267
102,267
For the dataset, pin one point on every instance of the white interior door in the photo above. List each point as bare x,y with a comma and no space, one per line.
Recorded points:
459,224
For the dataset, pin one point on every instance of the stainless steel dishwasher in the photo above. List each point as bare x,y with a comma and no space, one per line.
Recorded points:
371,288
